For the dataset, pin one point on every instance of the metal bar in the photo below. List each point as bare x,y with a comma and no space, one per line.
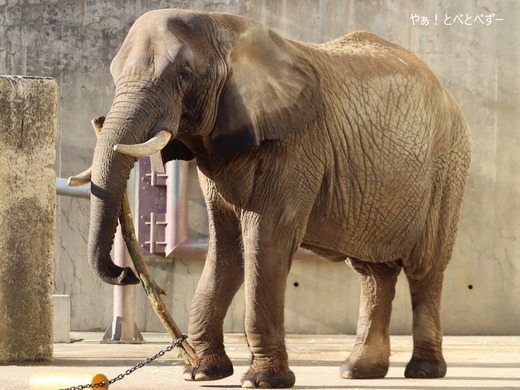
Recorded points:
176,205
77,192
123,328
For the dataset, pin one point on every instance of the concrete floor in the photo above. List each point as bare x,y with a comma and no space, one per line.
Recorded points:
474,362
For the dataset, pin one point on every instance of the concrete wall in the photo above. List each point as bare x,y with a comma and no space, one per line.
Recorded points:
74,41
27,197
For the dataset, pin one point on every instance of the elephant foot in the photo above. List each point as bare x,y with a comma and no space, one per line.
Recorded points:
424,368
363,369
211,367
268,379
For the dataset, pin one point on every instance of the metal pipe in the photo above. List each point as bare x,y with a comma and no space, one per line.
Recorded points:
77,192
176,205
123,328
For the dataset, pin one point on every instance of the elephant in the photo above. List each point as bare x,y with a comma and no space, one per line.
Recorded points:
352,149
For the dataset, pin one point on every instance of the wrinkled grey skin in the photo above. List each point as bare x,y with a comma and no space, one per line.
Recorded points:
352,149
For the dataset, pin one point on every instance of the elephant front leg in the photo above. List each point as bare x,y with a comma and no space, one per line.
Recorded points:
219,282
267,263
221,278
371,353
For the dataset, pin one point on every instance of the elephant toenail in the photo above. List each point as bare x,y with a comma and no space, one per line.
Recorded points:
248,384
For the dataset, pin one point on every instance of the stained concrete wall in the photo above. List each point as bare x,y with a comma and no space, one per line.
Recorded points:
474,54
28,127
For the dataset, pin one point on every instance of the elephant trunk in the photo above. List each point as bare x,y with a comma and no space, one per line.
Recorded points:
110,172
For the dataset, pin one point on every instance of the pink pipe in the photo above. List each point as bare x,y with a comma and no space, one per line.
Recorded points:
123,328
176,205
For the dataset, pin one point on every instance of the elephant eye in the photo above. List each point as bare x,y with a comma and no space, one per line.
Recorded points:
185,73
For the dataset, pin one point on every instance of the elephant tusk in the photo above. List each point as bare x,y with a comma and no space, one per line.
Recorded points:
80,179
153,145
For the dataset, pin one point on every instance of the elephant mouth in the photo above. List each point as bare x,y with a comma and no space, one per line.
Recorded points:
152,146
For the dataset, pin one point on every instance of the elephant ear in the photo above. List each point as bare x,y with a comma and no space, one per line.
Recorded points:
272,90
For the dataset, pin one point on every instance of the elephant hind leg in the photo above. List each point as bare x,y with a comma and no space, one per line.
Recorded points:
427,359
425,272
371,353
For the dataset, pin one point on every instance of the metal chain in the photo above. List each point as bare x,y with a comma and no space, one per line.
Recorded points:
141,364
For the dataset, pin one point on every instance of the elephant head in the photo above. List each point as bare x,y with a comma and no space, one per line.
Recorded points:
211,85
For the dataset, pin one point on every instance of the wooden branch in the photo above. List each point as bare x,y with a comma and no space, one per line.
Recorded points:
97,124
152,290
